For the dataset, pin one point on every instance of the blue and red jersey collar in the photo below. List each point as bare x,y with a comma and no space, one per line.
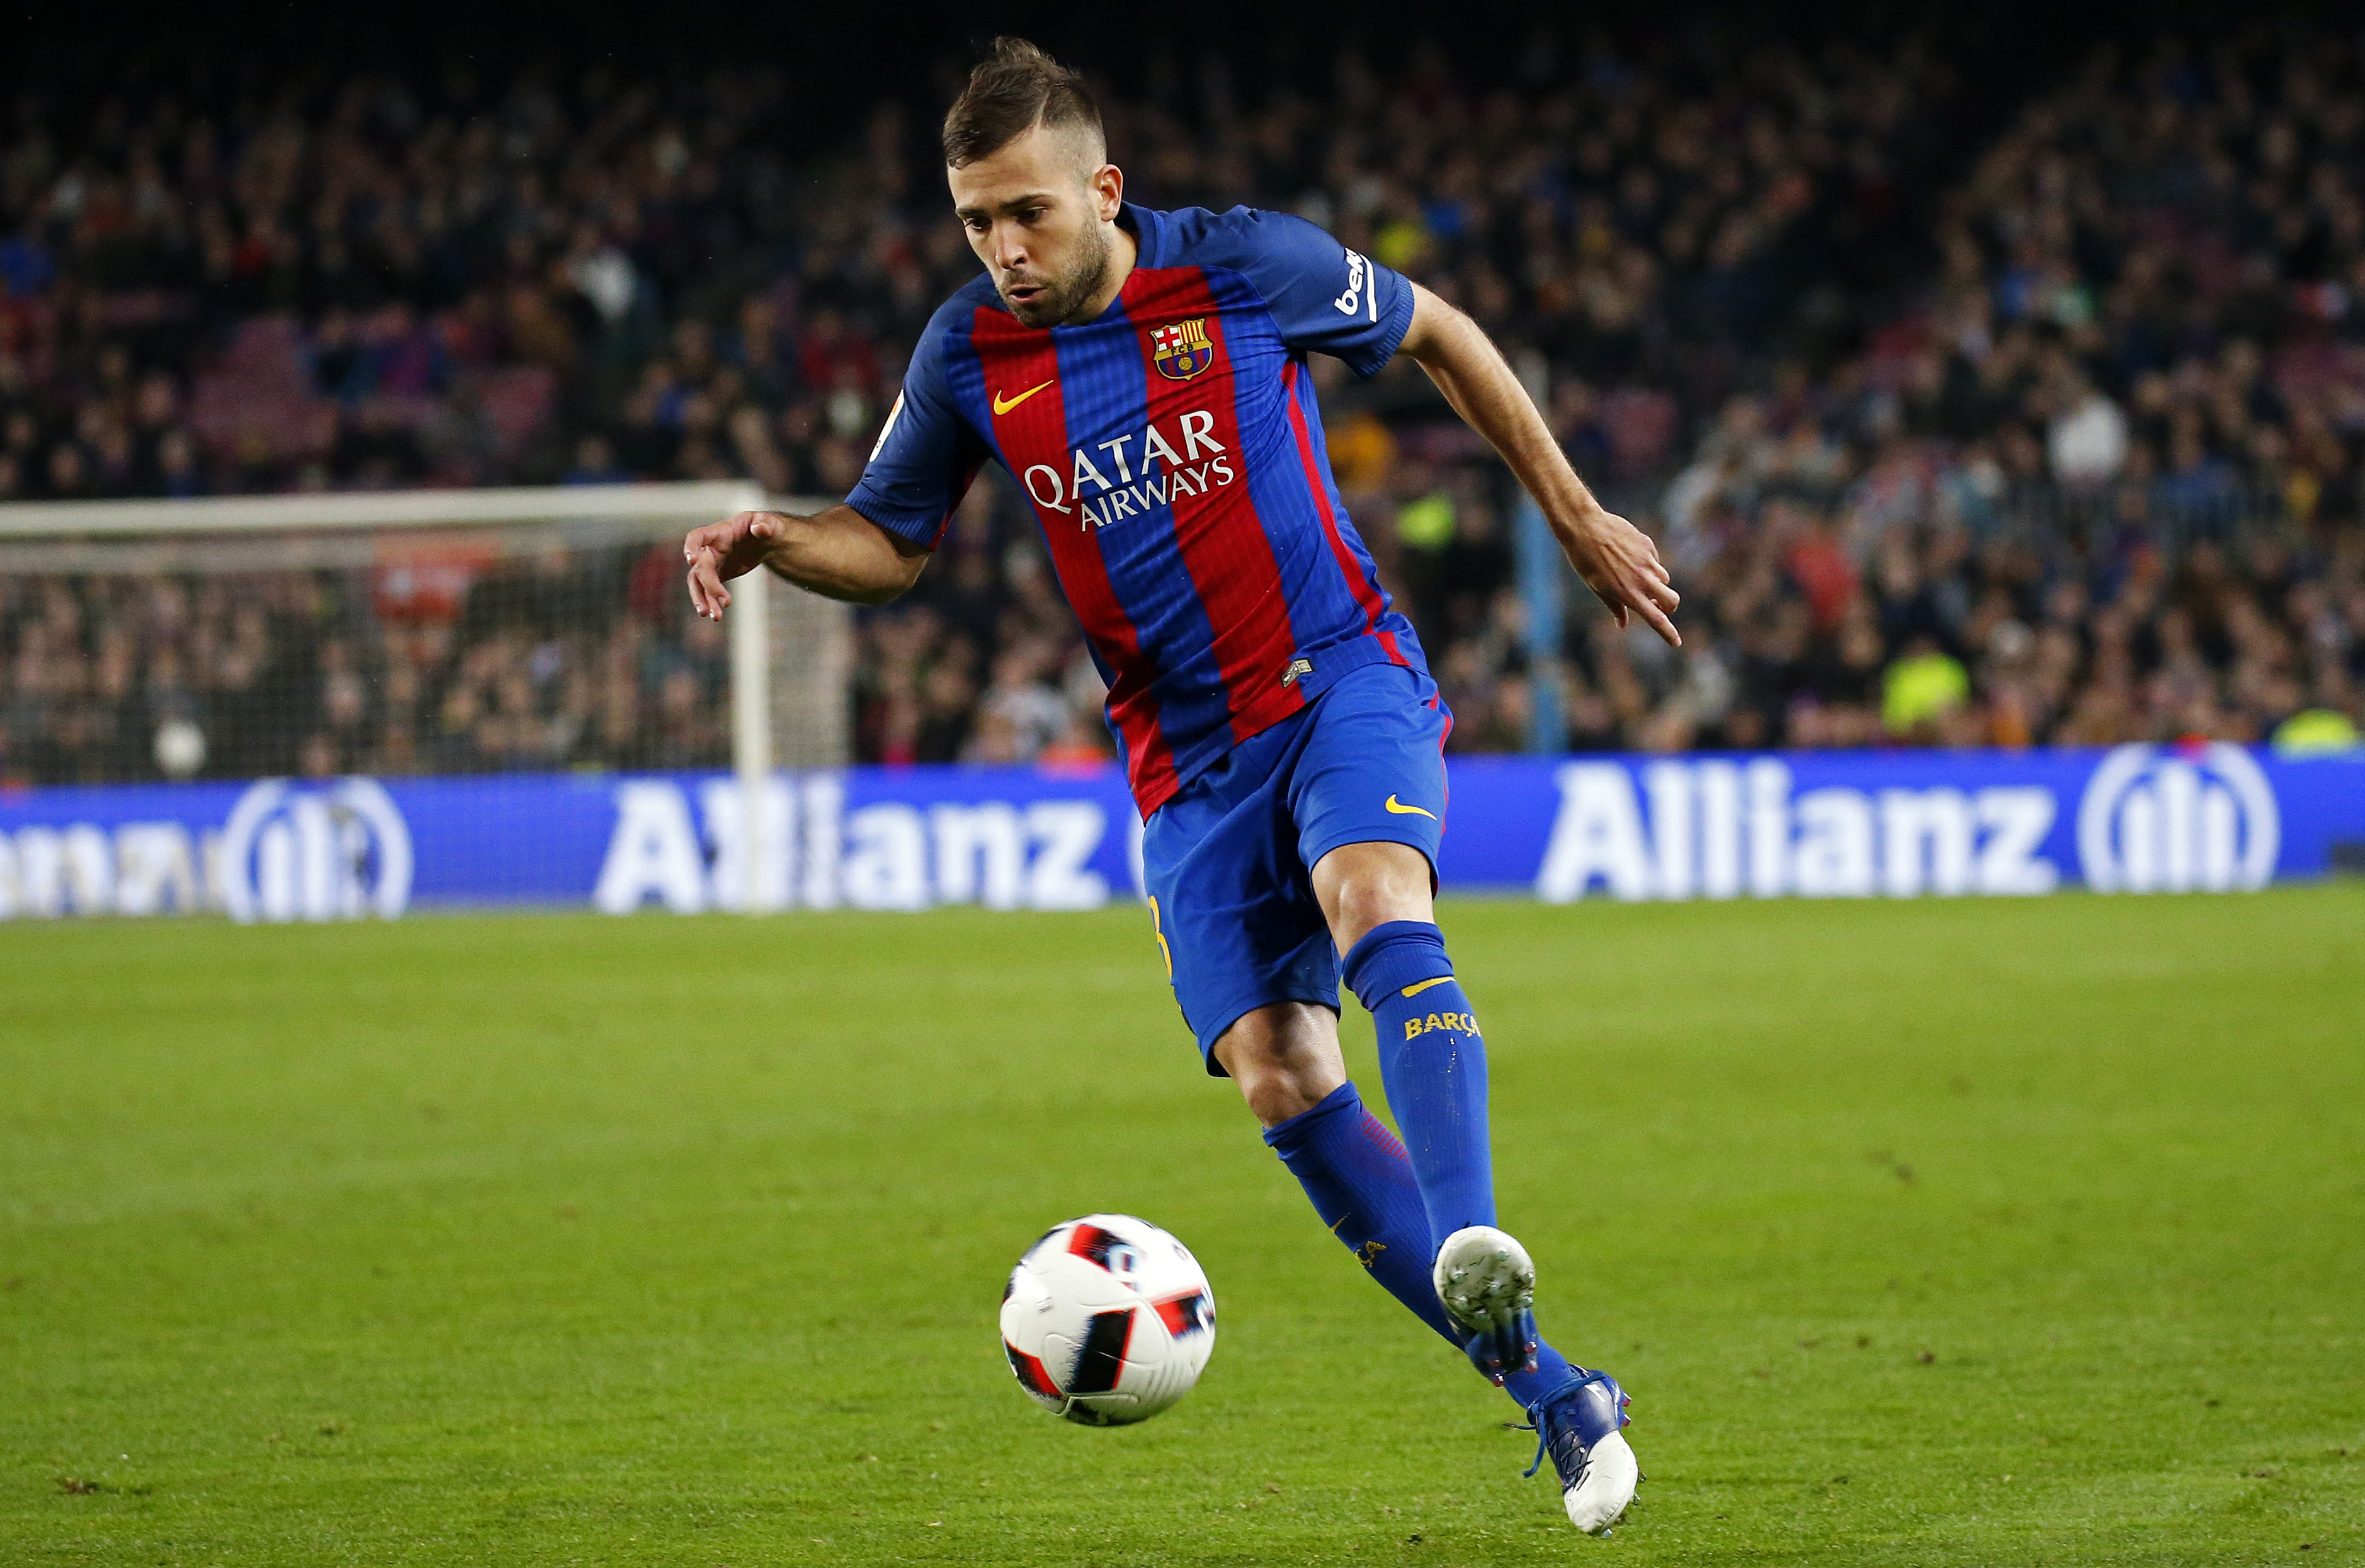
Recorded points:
1148,227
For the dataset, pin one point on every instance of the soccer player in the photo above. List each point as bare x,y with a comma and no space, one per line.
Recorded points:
1142,375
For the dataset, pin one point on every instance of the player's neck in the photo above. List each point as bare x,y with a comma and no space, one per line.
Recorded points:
1122,255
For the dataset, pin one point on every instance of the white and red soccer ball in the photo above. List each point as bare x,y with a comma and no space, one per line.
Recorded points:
1108,1319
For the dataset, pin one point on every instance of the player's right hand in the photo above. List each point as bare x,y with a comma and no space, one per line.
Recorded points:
1620,564
725,550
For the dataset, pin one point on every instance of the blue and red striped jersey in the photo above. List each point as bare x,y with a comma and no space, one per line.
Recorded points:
1172,451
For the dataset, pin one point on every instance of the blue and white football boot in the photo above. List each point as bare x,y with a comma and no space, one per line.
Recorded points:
1487,1284
1578,1428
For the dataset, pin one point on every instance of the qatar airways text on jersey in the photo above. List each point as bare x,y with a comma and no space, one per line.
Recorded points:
1095,499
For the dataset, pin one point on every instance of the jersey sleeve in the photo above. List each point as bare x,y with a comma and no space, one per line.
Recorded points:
925,456
1324,296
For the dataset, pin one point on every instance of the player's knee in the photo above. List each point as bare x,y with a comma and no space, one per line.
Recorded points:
1283,1060
1365,885
1274,1094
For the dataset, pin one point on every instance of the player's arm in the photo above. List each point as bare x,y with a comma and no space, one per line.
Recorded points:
839,553
1617,560
873,548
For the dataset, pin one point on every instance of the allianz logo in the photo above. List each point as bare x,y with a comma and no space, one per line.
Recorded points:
339,850
295,853
2156,820
819,855
2148,820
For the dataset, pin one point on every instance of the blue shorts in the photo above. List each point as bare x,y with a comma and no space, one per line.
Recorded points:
1229,862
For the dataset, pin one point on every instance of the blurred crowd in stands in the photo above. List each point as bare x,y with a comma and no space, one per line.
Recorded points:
2100,482
570,658
1963,420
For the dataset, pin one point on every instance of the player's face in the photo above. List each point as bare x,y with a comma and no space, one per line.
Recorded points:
1039,214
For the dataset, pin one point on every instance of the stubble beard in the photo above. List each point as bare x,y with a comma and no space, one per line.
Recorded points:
1060,300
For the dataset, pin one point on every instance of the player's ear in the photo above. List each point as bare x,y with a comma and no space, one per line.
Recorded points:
1108,192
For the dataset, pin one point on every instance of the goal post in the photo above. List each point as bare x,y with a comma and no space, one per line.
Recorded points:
408,570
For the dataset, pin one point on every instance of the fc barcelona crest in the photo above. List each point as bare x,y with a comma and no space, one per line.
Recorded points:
1182,349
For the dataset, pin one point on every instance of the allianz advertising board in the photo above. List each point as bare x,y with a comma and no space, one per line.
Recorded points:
2135,819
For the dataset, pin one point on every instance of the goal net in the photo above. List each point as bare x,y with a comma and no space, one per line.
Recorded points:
385,636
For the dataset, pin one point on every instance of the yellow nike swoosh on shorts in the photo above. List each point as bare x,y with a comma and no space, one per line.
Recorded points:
1416,990
1404,811
1004,405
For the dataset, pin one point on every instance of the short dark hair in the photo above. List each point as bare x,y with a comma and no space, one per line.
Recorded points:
1013,89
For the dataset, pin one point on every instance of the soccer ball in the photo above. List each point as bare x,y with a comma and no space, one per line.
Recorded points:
1108,1319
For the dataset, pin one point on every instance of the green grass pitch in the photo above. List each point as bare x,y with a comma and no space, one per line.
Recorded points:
1928,1233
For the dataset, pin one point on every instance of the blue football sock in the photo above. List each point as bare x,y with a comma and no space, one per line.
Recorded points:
1356,1173
1433,1062
1551,1371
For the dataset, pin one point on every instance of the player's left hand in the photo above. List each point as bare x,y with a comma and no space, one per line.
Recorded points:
1620,564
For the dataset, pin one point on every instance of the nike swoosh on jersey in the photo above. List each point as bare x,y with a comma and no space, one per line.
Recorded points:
1004,405
1416,990
1404,811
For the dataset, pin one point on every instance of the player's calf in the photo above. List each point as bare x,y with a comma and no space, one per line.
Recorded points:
1355,1173
1433,1060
